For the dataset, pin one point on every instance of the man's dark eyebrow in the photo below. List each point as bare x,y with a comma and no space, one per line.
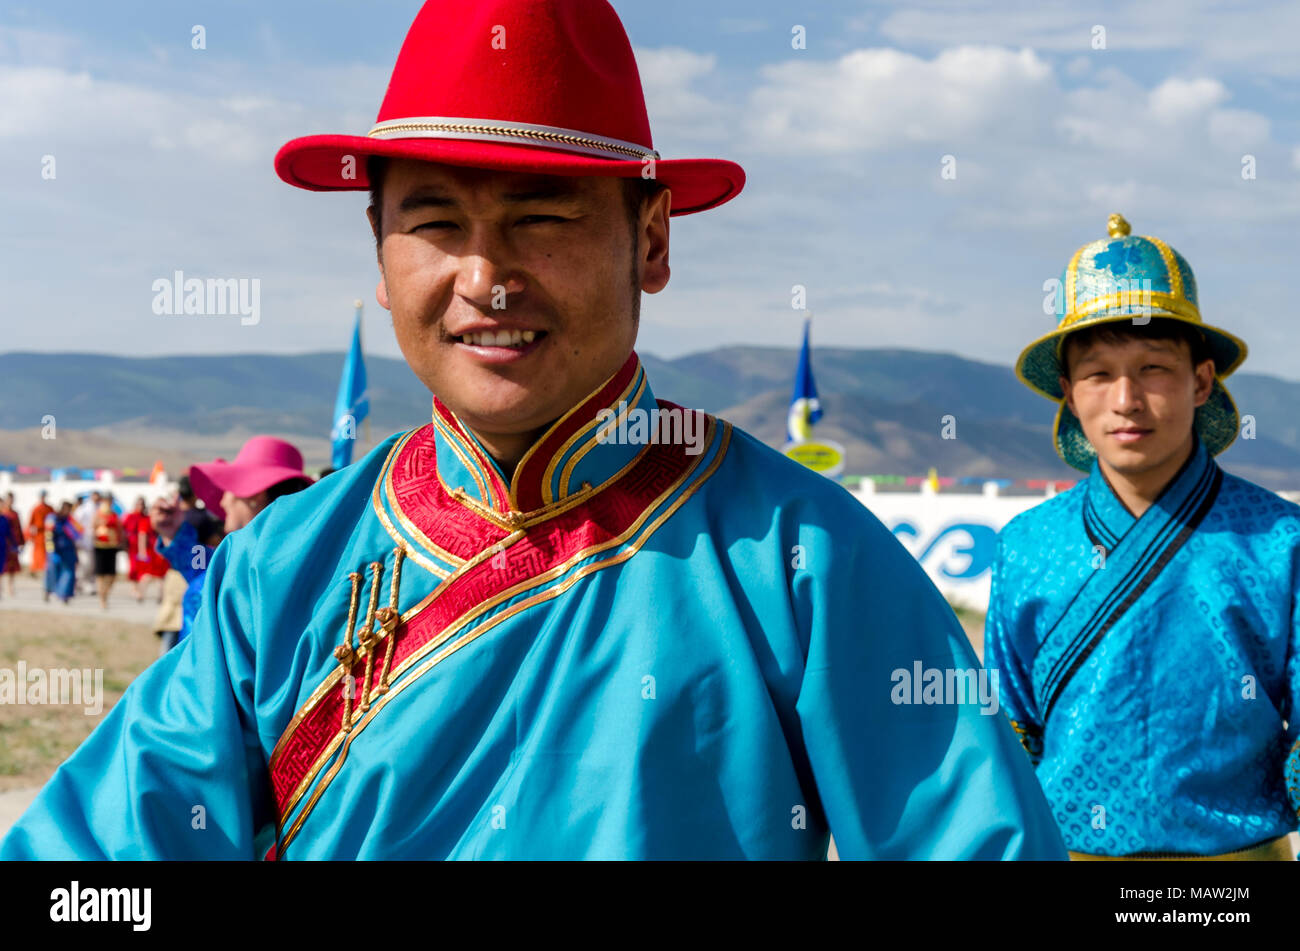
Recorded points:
542,193
425,198
1160,344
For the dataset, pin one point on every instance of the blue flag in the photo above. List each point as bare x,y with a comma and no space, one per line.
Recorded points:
805,407
352,404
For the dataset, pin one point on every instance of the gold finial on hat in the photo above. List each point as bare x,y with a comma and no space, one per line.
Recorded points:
1117,227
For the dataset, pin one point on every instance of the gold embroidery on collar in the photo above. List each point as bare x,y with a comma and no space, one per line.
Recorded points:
624,404
419,537
536,446
491,475
454,441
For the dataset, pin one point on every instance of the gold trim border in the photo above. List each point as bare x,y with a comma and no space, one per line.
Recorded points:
590,433
416,535
548,495
533,449
440,426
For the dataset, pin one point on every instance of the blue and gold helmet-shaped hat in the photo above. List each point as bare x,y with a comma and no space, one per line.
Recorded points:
1128,278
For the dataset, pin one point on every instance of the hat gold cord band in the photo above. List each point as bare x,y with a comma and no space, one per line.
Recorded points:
1175,305
435,127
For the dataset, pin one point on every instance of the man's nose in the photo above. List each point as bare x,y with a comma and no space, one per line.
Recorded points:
1126,395
487,272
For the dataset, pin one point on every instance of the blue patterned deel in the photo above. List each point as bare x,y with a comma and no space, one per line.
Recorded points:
1150,665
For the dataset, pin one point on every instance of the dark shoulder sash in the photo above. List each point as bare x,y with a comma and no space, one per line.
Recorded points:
1129,569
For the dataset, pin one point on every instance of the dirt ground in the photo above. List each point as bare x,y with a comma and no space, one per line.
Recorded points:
35,739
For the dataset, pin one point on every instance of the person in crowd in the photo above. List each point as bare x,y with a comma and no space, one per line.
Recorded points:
12,526
36,534
145,563
264,470
5,544
85,514
108,542
62,540
171,616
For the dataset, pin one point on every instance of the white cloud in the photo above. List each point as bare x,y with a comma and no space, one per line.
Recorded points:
1236,130
1174,100
80,111
1257,37
679,112
1079,66
875,99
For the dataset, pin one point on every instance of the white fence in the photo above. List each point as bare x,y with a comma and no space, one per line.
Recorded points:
27,494
952,534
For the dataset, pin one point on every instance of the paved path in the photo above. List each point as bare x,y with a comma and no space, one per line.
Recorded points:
121,601
12,805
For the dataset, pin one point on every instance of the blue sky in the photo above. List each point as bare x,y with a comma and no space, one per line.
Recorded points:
164,163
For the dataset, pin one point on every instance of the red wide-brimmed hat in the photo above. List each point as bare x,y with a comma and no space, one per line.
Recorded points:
543,86
262,462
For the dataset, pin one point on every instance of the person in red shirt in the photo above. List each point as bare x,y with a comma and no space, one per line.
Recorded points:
145,563
108,541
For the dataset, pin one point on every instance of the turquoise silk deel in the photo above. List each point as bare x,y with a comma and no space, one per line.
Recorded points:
681,649
1151,665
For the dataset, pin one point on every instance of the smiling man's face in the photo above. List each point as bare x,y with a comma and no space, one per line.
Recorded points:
1136,400
514,296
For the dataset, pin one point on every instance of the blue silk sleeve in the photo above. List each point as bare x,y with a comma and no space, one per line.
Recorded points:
1004,652
905,780
180,553
176,769
1291,711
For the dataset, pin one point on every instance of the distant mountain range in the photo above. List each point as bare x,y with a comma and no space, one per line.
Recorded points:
885,406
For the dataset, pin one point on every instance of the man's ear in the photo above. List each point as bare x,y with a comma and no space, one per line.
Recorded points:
1204,382
1069,396
654,238
381,289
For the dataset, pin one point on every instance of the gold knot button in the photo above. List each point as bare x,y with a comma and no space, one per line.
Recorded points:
387,618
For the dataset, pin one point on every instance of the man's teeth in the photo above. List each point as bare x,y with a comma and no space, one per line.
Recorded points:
499,338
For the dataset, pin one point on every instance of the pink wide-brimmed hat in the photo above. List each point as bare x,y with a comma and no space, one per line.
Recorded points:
262,462
543,86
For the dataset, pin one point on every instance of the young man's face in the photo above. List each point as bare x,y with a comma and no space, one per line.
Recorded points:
1136,399
546,261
